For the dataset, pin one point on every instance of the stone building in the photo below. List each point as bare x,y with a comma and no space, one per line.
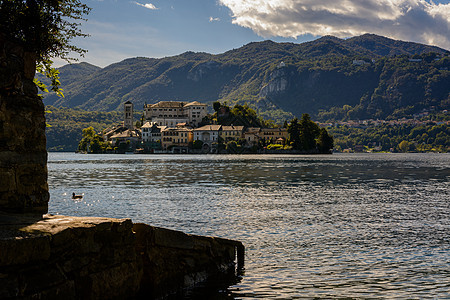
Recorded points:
128,115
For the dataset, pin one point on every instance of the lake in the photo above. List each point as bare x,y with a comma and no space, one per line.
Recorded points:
341,225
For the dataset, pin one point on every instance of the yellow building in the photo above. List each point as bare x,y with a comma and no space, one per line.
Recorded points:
270,135
176,136
231,133
273,134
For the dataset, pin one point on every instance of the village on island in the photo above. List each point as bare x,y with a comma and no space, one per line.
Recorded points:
179,127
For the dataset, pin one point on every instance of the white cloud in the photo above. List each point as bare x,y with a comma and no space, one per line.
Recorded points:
147,5
414,20
211,19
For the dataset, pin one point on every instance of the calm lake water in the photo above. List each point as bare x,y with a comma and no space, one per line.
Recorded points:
342,225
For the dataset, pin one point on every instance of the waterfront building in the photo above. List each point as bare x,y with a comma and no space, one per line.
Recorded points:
251,135
208,134
231,133
151,132
179,136
109,132
273,134
132,136
270,135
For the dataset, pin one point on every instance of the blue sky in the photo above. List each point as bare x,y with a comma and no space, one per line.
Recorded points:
122,29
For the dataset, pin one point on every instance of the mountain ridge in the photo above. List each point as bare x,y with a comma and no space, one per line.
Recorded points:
280,80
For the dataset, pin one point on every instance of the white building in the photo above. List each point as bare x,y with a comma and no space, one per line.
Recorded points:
207,134
151,132
171,113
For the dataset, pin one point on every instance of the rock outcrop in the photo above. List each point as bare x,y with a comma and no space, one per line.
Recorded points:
278,82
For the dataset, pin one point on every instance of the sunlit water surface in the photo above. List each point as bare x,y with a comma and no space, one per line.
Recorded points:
342,225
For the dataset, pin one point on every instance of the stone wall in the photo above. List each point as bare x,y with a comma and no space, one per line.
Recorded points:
58,257
67,257
23,155
175,261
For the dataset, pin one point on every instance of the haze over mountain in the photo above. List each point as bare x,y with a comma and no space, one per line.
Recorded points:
368,76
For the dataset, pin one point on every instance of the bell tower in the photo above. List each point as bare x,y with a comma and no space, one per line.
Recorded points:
128,115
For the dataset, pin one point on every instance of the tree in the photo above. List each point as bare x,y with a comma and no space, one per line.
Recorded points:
91,142
294,134
46,28
309,131
404,146
325,141
216,105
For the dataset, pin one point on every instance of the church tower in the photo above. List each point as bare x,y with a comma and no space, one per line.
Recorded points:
128,115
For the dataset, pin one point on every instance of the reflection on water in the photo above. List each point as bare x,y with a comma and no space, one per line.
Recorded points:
369,225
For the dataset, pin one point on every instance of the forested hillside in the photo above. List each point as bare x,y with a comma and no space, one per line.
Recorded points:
331,79
65,126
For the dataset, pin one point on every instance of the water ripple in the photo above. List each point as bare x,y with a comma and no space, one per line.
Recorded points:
340,226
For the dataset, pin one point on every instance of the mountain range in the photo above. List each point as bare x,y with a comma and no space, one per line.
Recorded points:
367,76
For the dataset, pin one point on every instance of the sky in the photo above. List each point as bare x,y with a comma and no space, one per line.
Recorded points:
121,29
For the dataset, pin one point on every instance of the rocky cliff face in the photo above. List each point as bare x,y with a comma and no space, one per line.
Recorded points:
23,155
278,82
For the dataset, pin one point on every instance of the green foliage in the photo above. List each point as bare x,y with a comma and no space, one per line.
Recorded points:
404,146
45,68
233,147
305,135
46,28
325,141
91,142
309,131
197,145
421,138
275,147
216,105
239,115
294,134
66,126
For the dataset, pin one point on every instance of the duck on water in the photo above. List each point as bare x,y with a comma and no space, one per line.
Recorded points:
74,196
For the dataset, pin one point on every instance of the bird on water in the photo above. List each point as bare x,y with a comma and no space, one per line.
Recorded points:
74,196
